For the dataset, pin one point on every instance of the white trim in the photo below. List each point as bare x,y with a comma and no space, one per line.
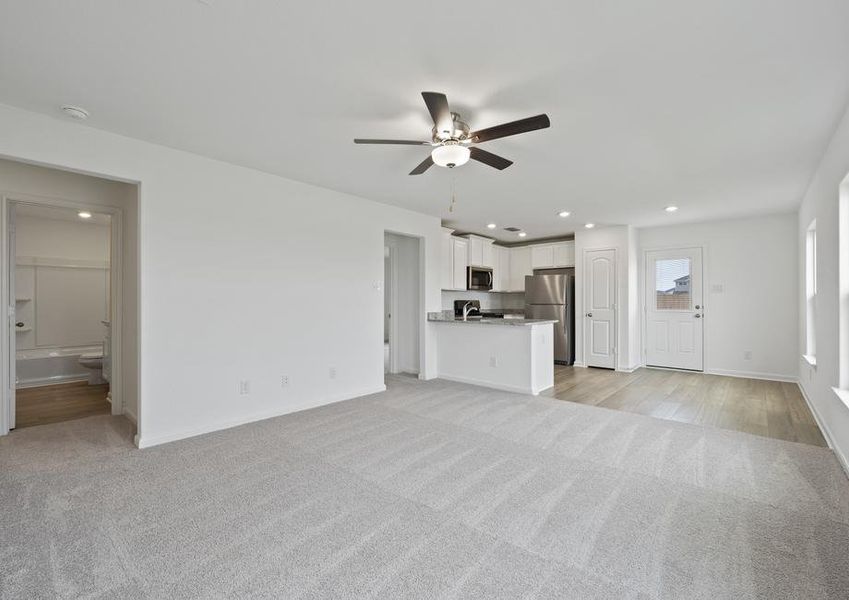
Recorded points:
116,291
811,360
579,364
495,386
628,369
751,375
52,380
180,434
826,432
63,263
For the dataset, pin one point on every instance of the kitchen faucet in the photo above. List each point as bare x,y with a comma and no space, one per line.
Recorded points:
467,310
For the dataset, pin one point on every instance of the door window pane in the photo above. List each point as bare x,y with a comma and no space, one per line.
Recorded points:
672,283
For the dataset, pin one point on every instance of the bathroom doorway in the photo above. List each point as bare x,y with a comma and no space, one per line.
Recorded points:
402,317
59,276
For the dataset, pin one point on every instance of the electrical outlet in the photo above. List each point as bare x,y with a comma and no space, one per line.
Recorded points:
332,373
244,387
284,380
747,355
493,361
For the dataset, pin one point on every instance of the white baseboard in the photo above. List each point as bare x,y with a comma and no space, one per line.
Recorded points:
628,369
753,375
147,441
495,386
826,432
54,380
580,365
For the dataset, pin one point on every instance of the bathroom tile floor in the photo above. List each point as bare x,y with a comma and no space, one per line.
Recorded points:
56,403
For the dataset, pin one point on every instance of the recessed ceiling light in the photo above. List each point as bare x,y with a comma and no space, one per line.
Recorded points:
671,208
522,234
589,225
75,112
84,214
491,226
564,213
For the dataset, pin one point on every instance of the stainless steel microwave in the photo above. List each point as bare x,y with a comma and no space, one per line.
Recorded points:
478,278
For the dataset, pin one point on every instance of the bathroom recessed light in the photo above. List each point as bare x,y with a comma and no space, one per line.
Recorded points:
84,214
75,112
671,208
522,234
589,225
564,213
491,226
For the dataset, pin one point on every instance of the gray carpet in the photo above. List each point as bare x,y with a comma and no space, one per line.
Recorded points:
431,490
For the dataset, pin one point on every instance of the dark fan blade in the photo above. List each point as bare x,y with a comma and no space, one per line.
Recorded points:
512,128
437,104
423,166
402,142
488,158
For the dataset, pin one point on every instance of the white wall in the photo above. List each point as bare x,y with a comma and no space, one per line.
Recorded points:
821,203
17,178
407,312
754,260
241,273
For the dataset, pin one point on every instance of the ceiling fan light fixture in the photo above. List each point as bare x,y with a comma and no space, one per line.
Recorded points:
450,155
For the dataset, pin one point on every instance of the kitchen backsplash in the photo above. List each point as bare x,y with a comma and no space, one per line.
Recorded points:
487,299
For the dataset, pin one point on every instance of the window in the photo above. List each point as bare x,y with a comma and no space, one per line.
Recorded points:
672,284
811,293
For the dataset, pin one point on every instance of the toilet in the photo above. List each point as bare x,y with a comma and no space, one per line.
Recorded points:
94,362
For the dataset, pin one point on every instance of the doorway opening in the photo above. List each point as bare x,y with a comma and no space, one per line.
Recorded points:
674,309
401,304
69,287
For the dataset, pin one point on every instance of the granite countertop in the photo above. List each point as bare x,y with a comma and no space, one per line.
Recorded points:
447,317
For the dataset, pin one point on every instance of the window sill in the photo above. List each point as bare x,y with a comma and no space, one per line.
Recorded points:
811,360
843,395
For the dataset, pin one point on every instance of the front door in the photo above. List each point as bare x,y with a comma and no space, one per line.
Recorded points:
600,308
674,309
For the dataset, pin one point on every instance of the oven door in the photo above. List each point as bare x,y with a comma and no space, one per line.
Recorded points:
478,279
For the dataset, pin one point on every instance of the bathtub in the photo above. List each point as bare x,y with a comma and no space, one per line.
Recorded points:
44,366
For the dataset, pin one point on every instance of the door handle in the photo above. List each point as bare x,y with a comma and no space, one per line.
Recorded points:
589,314
697,316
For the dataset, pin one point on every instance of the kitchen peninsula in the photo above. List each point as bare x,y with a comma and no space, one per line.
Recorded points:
515,355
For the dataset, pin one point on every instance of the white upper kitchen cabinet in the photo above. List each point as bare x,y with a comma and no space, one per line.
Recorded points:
542,257
553,256
500,269
460,260
480,251
520,266
564,254
446,277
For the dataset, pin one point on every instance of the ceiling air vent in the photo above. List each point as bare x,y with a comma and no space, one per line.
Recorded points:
512,229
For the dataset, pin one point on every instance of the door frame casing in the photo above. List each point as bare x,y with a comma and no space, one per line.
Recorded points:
586,291
116,286
644,252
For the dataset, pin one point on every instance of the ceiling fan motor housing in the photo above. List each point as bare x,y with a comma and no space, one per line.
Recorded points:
460,131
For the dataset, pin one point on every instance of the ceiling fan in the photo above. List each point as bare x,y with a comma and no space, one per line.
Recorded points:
452,138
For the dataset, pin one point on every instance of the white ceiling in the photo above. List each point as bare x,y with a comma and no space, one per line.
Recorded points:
722,108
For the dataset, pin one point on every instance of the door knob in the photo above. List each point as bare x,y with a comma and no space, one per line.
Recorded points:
589,314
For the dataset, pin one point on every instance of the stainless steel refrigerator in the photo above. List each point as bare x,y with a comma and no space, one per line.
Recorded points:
551,296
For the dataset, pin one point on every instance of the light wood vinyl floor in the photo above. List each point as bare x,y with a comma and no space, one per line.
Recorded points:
56,403
769,408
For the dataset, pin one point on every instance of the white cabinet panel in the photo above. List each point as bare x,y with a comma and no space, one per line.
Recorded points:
564,254
500,269
542,257
475,252
446,277
488,255
460,260
520,266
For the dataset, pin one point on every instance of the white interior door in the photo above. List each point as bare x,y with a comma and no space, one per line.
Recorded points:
674,309
11,343
600,308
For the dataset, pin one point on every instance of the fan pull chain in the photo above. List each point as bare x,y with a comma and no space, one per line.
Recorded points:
453,193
